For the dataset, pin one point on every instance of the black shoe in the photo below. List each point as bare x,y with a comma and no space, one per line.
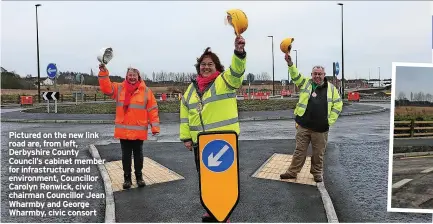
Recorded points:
140,181
318,178
208,219
127,181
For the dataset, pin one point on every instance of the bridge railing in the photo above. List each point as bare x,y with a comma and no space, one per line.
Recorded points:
410,129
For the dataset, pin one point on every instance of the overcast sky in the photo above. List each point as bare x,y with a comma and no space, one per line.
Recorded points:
169,36
413,79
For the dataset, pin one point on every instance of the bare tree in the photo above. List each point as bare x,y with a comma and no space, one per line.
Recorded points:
401,96
420,96
264,76
428,97
145,77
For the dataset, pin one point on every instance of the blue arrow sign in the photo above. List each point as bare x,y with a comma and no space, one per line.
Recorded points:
218,156
51,70
337,68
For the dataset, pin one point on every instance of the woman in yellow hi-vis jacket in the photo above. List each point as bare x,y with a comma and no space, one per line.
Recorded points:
209,103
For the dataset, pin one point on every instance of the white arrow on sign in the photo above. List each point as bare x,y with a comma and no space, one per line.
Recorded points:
53,95
213,160
45,96
49,70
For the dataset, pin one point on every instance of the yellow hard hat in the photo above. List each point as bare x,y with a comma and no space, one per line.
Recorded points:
285,44
238,19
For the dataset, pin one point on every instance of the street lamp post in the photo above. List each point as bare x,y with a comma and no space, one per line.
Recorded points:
369,73
379,75
342,51
273,67
37,50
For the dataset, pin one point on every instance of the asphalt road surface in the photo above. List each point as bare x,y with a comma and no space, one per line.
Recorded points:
412,180
356,164
7,110
260,200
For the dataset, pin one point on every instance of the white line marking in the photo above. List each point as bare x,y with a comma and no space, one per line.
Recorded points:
327,203
401,183
427,170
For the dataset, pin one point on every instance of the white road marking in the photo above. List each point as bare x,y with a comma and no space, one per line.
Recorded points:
401,183
427,170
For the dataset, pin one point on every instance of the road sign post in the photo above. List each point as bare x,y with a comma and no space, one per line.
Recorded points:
52,72
51,96
80,79
250,79
336,70
219,172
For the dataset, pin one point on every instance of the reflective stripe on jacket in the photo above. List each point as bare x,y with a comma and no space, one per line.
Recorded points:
335,103
217,109
142,111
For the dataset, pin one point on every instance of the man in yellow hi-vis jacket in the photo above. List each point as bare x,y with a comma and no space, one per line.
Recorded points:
209,103
318,108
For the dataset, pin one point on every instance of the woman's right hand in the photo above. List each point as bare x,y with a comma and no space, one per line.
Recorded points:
188,145
288,58
102,68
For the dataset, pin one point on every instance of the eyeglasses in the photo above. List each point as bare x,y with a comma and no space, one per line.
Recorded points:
208,64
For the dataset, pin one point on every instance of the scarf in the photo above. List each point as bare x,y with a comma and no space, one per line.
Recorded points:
129,90
203,82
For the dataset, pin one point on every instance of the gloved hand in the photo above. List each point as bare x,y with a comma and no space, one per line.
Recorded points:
155,133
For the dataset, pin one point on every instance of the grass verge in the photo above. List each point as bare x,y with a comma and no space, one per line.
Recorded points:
168,107
413,117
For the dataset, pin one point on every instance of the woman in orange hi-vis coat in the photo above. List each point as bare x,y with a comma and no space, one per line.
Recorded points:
136,109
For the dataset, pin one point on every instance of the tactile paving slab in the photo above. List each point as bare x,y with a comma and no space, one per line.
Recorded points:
278,164
153,173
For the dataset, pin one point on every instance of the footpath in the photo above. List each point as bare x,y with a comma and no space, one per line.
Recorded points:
172,194
20,116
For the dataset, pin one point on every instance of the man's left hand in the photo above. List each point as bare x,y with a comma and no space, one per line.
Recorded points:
240,44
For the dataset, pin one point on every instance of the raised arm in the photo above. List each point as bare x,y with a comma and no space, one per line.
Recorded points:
294,74
107,87
297,77
234,76
152,110
337,107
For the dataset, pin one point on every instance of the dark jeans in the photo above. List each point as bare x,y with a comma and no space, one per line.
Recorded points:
130,147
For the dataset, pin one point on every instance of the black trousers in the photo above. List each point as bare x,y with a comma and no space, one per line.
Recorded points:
129,148
196,158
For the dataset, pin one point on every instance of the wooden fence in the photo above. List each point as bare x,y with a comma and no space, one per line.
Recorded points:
410,129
